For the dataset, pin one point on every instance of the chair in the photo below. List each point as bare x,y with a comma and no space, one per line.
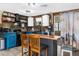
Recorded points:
24,44
36,46
68,47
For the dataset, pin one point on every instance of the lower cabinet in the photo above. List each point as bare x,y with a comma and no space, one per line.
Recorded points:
10,39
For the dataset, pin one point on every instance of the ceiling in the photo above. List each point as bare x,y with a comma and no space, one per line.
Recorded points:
37,8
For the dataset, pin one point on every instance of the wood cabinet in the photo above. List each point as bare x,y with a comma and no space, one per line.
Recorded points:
21,22
30,21
45,20
8,17
8,20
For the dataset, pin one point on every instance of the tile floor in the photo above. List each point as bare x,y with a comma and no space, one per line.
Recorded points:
17,52
11,52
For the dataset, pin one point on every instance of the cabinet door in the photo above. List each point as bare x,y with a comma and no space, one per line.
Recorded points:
22,25
10,40
45,20
38,21
30,21
17,18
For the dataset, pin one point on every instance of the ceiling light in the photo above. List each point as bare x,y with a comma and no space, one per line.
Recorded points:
31,4
43,5
29,11
36,5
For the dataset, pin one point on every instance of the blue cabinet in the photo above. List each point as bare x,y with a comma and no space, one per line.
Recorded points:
10,39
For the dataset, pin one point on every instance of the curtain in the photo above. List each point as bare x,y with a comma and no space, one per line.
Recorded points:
76,27
64,23
70,24
66,26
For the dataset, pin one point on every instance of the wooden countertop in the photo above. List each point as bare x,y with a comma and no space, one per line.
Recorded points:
47,36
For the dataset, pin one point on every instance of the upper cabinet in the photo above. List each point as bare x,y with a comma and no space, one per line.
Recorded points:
8,17
45,20
30,21
38,21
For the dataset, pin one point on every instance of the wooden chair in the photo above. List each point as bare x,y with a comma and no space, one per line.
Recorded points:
24,44
36,46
